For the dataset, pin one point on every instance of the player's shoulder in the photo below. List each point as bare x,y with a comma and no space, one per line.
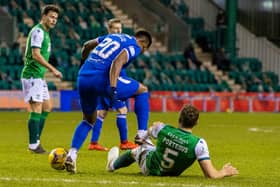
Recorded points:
165,128
37,30
200,143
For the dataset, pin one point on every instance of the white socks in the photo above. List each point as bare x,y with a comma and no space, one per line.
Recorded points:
33,145
73,153
142,134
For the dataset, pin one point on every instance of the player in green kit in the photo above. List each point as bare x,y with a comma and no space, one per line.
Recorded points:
35,89
176,150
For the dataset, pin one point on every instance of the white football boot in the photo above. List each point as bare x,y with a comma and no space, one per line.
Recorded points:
113,154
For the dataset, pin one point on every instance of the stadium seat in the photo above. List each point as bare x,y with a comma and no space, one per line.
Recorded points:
3,60
4,85
51,86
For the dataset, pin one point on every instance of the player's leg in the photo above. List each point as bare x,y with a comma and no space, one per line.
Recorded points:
34,127
114,161
46,108
142,110
88,100
122,126
78,139
128,87
139,154
96,130
33,94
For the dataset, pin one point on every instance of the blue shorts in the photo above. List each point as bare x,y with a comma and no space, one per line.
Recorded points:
91,87
104,104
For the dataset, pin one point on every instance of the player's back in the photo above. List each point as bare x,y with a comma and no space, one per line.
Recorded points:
108,49
174,153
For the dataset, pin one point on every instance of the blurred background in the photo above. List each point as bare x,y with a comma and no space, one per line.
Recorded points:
220,55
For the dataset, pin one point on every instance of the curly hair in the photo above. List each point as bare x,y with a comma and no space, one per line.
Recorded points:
188,116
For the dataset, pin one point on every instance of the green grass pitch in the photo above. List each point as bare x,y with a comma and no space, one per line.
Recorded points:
251,142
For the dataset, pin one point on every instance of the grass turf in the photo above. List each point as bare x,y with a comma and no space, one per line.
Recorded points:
249,141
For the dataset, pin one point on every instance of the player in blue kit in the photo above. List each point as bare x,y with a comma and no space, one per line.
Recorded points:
114,27
105,57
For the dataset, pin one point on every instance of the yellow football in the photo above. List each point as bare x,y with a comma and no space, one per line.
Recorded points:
57,158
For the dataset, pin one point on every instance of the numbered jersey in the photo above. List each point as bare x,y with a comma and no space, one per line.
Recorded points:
176,150
108,49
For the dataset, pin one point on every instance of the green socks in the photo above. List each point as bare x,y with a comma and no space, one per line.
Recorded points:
36,123
43,117
33,127
124,160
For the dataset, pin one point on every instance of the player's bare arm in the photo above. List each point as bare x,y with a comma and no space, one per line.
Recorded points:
211,172
116,68
156,125
40,59
152,133
87,47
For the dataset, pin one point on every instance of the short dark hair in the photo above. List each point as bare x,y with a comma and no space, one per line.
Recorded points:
144,34
188,116
112,21
46,9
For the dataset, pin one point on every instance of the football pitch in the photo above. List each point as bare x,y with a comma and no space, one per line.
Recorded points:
251,142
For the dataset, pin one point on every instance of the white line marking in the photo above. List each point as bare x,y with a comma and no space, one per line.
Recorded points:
136,183
260,130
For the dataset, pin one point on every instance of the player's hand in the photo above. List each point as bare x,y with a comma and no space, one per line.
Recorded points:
138,140
229,170
113,95
57,73
157,123
145,140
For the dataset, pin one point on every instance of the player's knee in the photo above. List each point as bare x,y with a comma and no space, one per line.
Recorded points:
90,118
102,113
36,107
122,110
47,106
48,109
142,88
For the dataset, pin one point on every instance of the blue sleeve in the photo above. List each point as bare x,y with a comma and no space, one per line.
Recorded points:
123,73
133,51
101,38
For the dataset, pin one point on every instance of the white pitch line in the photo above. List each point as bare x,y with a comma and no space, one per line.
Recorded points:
260,130
106,182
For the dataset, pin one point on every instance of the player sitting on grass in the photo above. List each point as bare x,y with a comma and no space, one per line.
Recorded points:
176,150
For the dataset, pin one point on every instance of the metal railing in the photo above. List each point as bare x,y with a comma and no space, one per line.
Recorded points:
248,45
259,47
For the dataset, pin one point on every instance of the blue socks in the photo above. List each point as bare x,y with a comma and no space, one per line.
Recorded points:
122,126
96,129
142,109
80,134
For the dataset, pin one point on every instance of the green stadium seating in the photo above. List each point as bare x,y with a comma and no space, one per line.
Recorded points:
4,85
3,60
51,86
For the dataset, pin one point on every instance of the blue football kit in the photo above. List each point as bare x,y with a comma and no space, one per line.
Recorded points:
95,71
94,82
